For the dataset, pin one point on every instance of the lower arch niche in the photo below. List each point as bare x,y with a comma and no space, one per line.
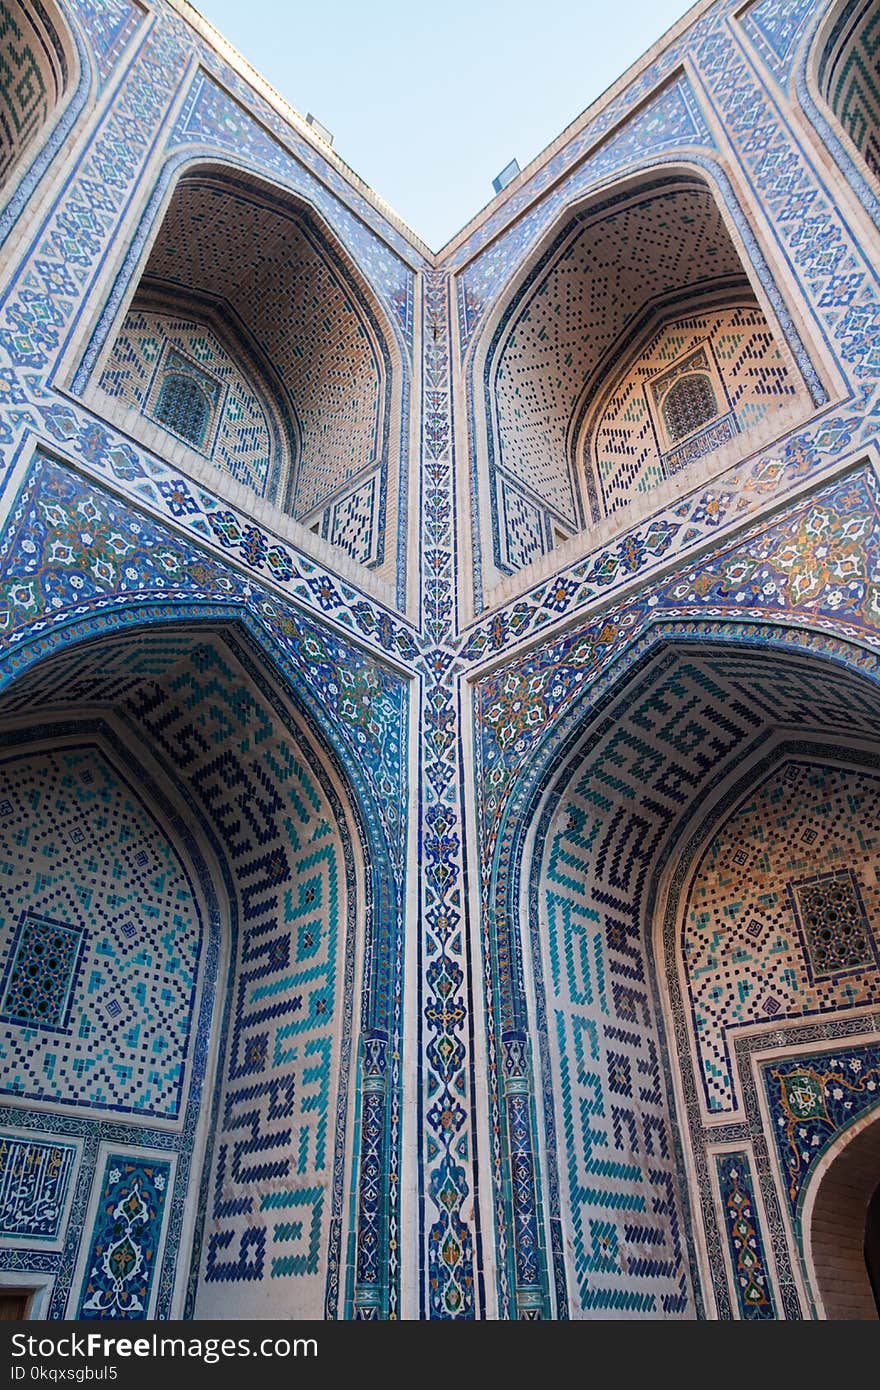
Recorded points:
179,898
700,885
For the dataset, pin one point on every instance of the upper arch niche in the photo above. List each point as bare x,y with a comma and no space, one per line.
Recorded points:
634,347
37,59
849,77
250,340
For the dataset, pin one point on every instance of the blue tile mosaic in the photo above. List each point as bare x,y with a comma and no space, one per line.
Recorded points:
546,1141
41,973
34,1180
125,1244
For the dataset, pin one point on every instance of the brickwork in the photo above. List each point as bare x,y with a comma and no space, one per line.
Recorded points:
849,78
630,447
34,71
102,941
837,1228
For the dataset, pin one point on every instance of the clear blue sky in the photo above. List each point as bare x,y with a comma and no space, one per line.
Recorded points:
429,102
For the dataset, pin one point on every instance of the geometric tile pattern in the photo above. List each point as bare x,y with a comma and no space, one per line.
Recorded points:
809,236
290,999
125,1243
184,402
752,1284
81,858
746,959
280,1133
91,1132
649,759
774,27
619,1167
238,247
571,322
34,1179
354,521
850,81
623,446
818,563
831,916
110,25
90,551
42,301
359,686
292,1016
33,75
522,533
670,118
41,973
692,402
223,112
237,434
821,252
450,1283
86,218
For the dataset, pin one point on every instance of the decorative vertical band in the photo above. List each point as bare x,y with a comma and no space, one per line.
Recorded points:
528,1254
370,1282
753,1291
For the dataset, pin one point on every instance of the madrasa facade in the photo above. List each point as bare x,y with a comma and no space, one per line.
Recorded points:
439,694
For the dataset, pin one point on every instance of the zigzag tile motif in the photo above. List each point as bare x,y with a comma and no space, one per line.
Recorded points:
292,1003
850,81
280,1073
775,28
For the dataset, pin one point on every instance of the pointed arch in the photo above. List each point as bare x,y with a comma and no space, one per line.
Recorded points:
243,281
206,705
627,287
585,953
837,1206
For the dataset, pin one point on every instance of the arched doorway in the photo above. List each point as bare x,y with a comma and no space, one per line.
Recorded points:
637,345
283,378
842,1225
